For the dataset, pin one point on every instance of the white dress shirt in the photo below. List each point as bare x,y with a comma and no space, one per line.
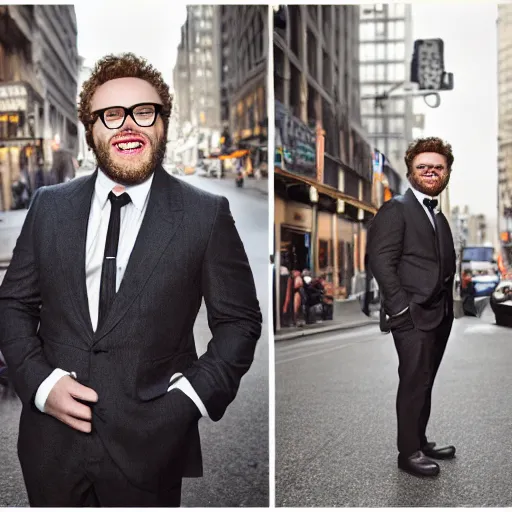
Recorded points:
420,196
131,219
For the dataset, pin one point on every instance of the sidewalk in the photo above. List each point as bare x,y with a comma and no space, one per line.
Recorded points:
347,315
291,333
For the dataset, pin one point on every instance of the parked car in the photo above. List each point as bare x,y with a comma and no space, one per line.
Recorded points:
501,303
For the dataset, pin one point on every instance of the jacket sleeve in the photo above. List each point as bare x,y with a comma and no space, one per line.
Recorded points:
385,244
20,303
234,316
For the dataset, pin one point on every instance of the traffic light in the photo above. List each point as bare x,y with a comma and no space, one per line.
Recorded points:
427,66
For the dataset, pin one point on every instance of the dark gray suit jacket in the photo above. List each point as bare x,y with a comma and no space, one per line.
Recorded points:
413,267
187,249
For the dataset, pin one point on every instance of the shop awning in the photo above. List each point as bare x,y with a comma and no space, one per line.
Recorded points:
239,153
327,190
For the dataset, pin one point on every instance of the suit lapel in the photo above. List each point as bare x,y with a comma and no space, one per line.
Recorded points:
162,219
72,236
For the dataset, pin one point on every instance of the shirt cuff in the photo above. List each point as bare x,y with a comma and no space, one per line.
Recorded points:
46,386
401,312
185,386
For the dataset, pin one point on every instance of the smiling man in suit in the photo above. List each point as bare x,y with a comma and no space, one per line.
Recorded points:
412,256
98,306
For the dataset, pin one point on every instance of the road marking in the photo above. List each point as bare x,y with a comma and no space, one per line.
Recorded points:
320,352
318,341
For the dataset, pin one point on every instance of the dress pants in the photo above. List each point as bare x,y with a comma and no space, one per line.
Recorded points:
419,355
94,480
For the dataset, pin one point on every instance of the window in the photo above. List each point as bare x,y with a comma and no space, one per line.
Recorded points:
397,106
396,125
374,125
394,150
367,32
367,52
380,72
395,51
396,10
369,90
396,30
381,51
368,73
380,30
396,72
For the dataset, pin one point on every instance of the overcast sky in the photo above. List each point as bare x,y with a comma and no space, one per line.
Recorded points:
467,117
150,29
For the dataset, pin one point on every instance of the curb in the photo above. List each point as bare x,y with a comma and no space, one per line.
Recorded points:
319,330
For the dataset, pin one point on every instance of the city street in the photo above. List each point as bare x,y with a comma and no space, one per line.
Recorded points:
235,449
336,424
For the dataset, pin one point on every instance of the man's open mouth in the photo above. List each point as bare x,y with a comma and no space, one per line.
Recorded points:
430,176
129,146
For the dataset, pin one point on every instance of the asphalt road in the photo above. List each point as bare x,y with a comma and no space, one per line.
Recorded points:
235,449
336,424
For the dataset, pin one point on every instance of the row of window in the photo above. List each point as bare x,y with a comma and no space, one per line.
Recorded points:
391,10
382,72
393,106
383,30
376,125
381,51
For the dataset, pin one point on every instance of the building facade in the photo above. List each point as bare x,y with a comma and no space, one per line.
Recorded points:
505,131
323,173
385,49
468,228
244,52
38,87
196,80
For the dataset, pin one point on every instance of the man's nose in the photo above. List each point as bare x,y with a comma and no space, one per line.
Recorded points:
129,124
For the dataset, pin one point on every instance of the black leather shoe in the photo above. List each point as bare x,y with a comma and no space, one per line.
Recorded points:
442,452
418,465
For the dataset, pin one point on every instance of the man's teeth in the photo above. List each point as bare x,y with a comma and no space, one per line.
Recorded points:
129,145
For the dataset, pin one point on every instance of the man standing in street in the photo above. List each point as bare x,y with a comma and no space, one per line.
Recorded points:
98,306
412,257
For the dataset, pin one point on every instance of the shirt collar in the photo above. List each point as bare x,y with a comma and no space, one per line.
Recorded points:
420,196
138,193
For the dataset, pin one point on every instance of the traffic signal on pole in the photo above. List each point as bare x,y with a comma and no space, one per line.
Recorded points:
427,66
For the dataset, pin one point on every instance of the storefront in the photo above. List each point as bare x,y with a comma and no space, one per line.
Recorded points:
20,150
249,127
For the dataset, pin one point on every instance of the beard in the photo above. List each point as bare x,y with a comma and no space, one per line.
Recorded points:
127,173
428,189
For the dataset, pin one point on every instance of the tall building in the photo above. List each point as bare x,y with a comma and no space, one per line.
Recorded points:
196,80
323,173
38,88
469,228
385,36
244,52
505,130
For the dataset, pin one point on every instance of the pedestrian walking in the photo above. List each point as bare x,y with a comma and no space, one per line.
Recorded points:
98,305
412,256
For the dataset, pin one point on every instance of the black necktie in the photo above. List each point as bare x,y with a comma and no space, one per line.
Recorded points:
431,204
109,268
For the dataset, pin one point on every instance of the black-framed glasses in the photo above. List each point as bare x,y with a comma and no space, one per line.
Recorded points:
144,115
428,167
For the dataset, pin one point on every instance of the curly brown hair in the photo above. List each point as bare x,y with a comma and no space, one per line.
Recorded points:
124,65
428,145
